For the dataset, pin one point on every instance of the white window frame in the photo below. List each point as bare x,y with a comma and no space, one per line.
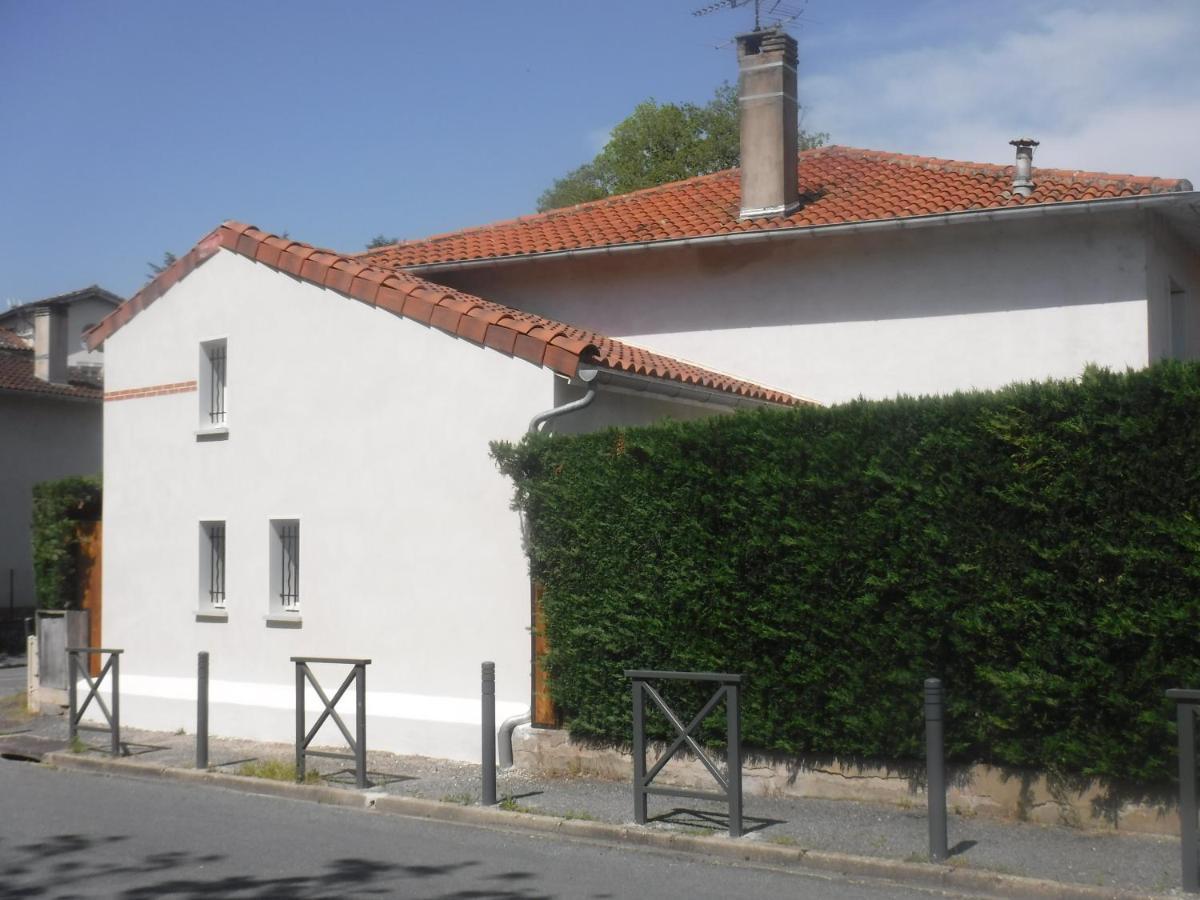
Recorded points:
213,387
285,567
213,581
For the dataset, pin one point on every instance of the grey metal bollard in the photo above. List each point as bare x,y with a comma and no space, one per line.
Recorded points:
935,764
1186,703
488,750
202,710
360,726
72,699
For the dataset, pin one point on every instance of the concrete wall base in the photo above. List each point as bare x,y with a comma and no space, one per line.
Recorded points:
979,790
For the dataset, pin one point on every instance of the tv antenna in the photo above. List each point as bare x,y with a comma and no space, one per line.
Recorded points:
782,12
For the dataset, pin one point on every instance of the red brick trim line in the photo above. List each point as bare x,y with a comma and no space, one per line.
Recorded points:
154,390
543,342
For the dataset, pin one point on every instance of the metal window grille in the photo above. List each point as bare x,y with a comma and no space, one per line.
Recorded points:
289,565
216,563
216,384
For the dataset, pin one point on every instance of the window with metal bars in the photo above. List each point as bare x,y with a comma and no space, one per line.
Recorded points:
215,352
212,564
285,561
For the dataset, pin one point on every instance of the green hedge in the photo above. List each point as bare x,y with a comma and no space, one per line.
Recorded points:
58,508
1035,547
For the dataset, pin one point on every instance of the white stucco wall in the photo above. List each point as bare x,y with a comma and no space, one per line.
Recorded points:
41,438
917,311
371,430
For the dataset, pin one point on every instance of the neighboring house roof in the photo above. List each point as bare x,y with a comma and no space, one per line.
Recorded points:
541,341
838,185
92,292
10,340
16,374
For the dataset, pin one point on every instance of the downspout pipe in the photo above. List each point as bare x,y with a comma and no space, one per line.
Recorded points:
504,744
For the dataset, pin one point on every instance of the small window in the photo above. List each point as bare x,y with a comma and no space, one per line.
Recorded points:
214,385
212,565
285,565
1185,325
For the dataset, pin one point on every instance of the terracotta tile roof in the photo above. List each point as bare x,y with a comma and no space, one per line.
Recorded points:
543,342
10,340
837,184
16,374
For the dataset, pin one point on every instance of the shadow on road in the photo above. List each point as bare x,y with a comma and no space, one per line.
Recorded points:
71,865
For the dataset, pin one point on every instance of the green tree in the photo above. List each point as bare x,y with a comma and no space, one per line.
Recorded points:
157,269
381,240
660,143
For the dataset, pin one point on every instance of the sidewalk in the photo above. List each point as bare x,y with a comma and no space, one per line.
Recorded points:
1137,863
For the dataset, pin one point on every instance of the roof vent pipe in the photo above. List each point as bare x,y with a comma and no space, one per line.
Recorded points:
769,118
1022,184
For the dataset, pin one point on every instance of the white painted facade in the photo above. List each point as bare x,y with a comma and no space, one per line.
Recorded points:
372,432
916,310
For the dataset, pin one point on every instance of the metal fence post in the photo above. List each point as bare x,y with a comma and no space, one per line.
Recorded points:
116,704
935,770
299,721
202,710
733,713
1185,712
72,698
360,725
639,754
488,749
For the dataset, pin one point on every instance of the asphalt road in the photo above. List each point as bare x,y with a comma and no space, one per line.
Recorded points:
12,680
69,834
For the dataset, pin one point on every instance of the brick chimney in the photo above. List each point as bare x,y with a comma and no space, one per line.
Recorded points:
50,343
767,98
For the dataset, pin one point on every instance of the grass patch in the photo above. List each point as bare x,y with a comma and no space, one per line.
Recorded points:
510,804
464,799
77,745
13,708
783,840
276,770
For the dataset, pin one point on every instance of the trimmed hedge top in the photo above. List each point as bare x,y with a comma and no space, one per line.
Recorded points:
1037,547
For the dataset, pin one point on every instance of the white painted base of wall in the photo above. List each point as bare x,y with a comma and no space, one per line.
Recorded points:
980,790
442,727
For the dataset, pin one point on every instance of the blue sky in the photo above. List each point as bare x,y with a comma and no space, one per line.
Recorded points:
130,128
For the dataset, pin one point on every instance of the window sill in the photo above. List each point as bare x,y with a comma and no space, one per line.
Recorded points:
219,433
283,620
212,615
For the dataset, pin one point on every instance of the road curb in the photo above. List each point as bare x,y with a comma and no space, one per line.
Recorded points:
713,846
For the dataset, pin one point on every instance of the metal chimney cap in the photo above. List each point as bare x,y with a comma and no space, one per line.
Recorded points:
1025,142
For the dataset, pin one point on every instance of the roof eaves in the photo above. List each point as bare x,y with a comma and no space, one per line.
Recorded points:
406,295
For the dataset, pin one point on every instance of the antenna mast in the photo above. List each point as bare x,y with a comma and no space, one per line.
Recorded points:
785,12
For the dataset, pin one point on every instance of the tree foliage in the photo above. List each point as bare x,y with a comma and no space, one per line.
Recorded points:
660,143
58,508
1038,548
381,240
156,269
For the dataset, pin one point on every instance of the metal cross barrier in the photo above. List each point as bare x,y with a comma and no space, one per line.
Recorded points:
935,769
113,716
1186,704
358,743
729,690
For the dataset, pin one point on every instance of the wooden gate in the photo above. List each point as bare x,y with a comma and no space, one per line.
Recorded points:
90,539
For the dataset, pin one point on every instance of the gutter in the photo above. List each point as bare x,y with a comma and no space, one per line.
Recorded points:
631,383
504,742
966,217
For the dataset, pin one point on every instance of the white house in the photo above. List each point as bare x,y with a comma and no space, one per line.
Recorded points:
264,397
296,464
82,310
855,272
